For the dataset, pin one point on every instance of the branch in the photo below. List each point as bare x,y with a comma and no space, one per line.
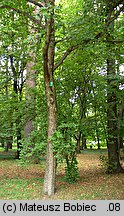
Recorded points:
21,86
58,41
38,22
86,41
36,3
118,3
113,41
75,137
115,16
68,51
12,66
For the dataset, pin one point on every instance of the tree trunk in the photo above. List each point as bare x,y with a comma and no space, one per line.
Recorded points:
78,146
112,121
82,107
49,180
48,59
2,142
9,142
6,147
15,89
84,142
30,95
18,134
120,119
8,139
97,131
112,88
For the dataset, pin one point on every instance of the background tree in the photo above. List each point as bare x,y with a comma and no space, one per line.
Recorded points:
112,100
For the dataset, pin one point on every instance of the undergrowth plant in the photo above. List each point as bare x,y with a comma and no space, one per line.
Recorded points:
33,148
104,162
64,149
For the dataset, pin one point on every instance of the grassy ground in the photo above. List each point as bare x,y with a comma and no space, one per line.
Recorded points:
26,182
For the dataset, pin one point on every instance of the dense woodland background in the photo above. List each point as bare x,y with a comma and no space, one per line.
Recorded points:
62,82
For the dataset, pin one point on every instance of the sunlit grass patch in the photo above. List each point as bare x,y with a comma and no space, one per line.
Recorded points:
21,189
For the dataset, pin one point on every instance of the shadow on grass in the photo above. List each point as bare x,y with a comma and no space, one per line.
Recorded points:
8,155
93,151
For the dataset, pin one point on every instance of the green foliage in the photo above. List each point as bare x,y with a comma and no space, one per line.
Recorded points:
104,162
109,167
33,148
64,149
71,171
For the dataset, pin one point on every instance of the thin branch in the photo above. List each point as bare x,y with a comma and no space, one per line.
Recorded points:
64,39
118,3
113,41
35,3
12,66
23,66
115,16
68,51
21,86
61,40
38,22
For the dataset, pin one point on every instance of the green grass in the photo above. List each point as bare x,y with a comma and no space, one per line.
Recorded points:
7,155
20,189
26,182
94,151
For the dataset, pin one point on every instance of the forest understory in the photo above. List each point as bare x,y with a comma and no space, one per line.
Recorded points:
25,182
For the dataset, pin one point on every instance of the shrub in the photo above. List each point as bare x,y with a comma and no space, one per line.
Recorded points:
33,148
104,162
64,150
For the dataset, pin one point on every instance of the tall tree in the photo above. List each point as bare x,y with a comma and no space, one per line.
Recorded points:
112,89
30,86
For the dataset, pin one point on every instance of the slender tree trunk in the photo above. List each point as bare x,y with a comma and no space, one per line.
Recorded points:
18,134
48,57
18,122
84,145
78,146
9,124
96,121
9,142
2,142
82,108
15,89
97,134
96,129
